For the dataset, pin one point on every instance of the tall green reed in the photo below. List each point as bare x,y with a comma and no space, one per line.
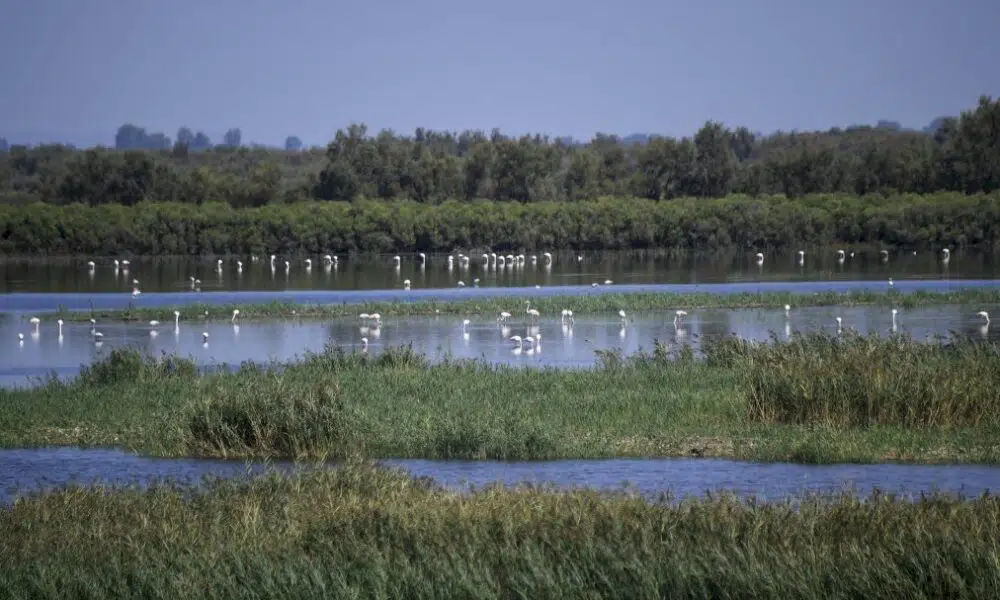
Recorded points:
855,380
371,532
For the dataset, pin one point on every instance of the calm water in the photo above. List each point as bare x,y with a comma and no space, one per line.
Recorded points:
77,301
562,345
379,272
25,470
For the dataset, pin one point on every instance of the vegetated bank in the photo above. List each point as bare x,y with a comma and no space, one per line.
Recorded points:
773,222
812,399
603,302
363,531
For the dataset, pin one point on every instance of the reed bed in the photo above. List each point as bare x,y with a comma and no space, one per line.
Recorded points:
364,531
816,399
587,303
858,380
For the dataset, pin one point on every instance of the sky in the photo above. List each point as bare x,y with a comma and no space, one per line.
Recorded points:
75,70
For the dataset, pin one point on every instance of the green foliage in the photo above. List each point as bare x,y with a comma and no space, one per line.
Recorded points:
740,222
957,155
863,381
787,402
128,365
603,303
363,531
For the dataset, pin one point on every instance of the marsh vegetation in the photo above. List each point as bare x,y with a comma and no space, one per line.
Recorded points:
815,398
361,530
551,306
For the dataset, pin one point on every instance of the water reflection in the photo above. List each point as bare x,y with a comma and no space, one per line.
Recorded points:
553,342
436,271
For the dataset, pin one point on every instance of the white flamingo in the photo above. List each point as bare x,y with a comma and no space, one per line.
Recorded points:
97,335
531,312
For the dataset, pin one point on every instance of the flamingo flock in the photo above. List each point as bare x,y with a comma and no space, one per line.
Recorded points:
487,261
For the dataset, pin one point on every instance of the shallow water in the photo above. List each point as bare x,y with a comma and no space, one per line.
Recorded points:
378,272
22,470
46,302
562,345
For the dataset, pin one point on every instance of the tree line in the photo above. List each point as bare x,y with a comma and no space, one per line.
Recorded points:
959,154
947,219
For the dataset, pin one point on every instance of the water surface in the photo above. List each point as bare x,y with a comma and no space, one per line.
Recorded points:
370,272
23,470
77,301
565,345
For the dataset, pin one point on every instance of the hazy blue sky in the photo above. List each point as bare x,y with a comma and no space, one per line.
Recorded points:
77,69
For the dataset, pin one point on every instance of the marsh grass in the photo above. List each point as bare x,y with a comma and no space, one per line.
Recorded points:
858,380
363,531
813,400
587,303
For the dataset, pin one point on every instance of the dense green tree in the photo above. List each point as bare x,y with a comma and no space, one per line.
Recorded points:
262,224
433,167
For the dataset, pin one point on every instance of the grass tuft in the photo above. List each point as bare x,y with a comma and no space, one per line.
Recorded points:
863,381
363,531
816,398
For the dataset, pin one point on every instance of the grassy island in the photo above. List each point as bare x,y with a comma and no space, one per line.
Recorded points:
815,398
547,305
